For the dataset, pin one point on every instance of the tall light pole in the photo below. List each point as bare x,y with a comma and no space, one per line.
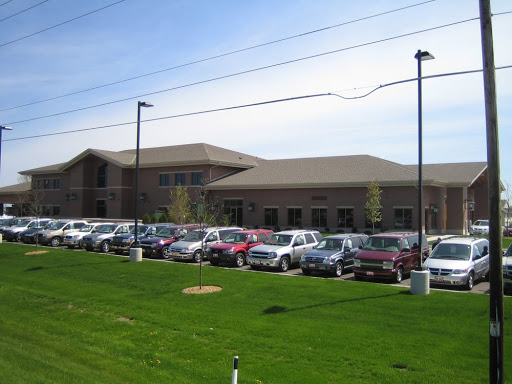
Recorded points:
1,130
420,56
139,105
420,284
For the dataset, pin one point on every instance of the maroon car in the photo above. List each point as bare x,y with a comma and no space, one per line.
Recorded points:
235,247
159,244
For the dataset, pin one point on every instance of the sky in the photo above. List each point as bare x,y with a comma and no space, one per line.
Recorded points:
76,65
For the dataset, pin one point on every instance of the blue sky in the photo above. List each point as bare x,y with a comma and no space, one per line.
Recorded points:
136,37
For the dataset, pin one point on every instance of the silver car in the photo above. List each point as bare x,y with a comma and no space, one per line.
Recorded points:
459,261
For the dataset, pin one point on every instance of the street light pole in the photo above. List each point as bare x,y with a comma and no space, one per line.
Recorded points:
139,105
420,56
1,130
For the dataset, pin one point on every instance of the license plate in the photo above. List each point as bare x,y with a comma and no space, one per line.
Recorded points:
439,278
174,253
257,262
369,273
215,255
312,265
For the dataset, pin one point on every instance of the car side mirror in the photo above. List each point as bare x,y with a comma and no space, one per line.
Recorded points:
407,249
346,249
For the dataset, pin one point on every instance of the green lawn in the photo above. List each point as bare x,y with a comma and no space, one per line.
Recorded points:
78,317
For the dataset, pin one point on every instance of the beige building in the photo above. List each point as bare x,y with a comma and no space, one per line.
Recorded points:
323,192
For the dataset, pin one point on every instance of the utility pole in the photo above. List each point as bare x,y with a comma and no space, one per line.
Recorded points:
493,168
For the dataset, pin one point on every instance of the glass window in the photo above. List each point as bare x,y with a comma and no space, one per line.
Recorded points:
102,177
403,218
295,216
165,179
346,217
197,178
309,238
101,208
56,183
271,216
180,179
299,240
319,217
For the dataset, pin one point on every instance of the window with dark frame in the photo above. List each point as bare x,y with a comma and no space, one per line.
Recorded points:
180,178
319,217
403,218
101,181
197,178
165,179
295,217
346,217
271,216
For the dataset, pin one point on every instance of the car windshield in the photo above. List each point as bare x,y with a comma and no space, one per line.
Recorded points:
277,239
330,245
166,232
386,244
56,225
22,223
451,251
509,251
141,229
107,228
193,236
482,223
236,238
87,228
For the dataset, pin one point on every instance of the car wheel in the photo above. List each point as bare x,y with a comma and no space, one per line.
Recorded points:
214,262
284,264
470,282
105,246
306,272
89,249
55,241
338,269
80,244
239,260
18,238
198,255
165,252
399,275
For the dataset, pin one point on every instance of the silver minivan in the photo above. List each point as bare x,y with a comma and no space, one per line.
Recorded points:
459,261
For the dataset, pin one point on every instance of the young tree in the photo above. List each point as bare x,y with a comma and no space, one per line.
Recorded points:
205,212
31,202
372,206
179,210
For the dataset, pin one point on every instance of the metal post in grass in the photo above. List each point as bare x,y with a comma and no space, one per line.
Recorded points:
234,380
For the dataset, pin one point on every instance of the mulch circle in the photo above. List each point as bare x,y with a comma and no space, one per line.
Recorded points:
204,289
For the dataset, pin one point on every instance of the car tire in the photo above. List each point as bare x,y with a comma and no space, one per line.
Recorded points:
470,282
306,272
80,244
89,249
399,275
239,260
55,242
284,264
105,246
338,269
164,252
198,255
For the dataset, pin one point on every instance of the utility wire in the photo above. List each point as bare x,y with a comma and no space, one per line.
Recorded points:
220,55
25,10
58,25
7,2
242,72
253,105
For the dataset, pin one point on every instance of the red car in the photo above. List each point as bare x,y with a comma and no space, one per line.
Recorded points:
159,244
507,231
235,247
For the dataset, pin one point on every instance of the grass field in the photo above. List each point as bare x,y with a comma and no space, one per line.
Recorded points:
77,317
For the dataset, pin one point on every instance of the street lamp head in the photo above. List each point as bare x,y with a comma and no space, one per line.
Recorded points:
423,55
145,104
6,128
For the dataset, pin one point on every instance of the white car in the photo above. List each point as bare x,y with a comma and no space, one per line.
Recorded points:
74,239
458,261
479,227
507,268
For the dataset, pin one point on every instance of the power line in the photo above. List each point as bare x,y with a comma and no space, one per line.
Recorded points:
219,56
7,2
242,72
253,105
25,10
60,24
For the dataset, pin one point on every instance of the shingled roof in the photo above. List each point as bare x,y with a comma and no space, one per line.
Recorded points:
187,154
346,171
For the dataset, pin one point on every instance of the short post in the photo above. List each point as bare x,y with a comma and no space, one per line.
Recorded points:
234,380
135,254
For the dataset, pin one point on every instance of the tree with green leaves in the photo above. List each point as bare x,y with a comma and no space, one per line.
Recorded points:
373,206
180,207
